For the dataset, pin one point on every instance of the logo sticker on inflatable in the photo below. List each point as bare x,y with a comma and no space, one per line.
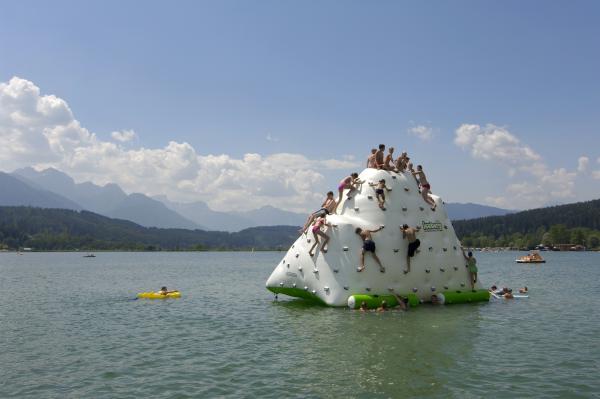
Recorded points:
432,226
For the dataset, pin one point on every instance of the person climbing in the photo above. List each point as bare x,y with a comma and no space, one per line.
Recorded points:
368,246
316,230
371,161
380,193
347,183
425,187
379,157
411,170
410,234
327,207
402,302
472,265
388,163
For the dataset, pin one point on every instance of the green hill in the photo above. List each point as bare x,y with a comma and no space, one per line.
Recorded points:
62,229
577,223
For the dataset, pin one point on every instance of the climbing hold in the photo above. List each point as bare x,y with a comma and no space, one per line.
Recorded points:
446,227
305,288
314,292
445,287
406,189
442,269
455,247
393,177
345,249
396,250
281,284
308,240
346,287
368,289
427,270
288,265
356,209
445,249
430,248
293,245
294,285
432,288
421,208
336,270
316,271
326,288
300,268
297,255
415,289
370,197
390,289
462,284
404,209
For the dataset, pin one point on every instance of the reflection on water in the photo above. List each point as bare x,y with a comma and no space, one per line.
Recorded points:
74,330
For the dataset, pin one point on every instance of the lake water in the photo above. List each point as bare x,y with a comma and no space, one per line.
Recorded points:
70,329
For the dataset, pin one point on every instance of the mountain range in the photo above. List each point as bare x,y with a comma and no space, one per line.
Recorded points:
51,188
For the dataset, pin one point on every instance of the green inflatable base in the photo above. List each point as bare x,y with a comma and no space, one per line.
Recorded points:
374,301
297,292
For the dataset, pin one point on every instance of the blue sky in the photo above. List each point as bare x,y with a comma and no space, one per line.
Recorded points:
326,80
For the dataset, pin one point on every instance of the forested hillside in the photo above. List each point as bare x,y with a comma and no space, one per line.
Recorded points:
577,223
61,229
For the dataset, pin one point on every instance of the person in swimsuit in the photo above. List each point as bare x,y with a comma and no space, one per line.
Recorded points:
425,187
165,291
327,207
368,246
316,230
410,233
388,163
371,162
523,290
383,307
348,183
472,265
379,155
380,193
401,162
402,302
364,307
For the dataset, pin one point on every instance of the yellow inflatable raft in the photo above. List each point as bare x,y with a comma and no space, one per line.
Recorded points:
156,295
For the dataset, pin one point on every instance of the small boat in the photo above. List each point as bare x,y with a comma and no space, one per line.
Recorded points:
89,256
533,257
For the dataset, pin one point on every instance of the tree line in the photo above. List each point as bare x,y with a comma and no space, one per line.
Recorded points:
577,224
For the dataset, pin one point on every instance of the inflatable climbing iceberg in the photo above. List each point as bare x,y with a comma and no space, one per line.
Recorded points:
438,267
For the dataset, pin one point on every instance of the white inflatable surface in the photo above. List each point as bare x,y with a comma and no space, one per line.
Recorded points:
438,265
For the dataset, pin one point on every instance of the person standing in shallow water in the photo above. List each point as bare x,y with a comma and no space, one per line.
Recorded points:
368,246
472,265
410,234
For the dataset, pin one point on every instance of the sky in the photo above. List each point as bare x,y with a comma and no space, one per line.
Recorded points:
242,104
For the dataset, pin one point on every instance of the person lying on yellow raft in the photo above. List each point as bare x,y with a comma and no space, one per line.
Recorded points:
163,293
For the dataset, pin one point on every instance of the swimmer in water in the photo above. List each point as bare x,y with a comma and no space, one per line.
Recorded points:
364,307
165,291
523,290
383,307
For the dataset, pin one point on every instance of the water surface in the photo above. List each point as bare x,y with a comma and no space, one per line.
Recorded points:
70,329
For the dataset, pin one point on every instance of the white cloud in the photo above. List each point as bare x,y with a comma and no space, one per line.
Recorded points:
40,130
582,164
423,132
124,136
541,184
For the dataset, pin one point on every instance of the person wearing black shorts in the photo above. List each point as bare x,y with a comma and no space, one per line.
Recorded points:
410,233
368,246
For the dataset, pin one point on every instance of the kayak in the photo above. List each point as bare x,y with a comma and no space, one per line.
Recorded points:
156,295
